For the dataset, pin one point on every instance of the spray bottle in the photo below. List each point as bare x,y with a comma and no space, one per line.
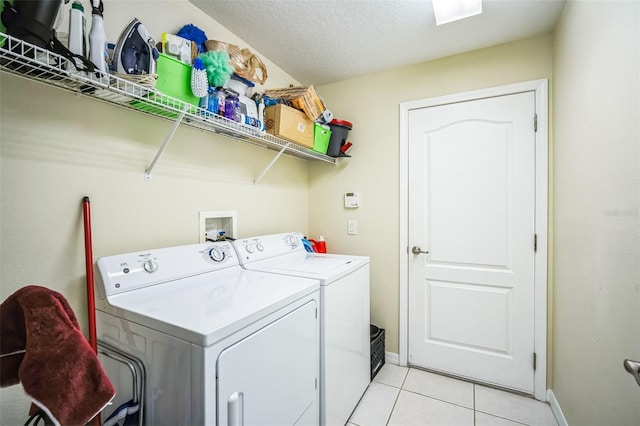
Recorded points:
77,40
97,37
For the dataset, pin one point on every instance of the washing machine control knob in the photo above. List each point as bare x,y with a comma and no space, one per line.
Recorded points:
150,265
292,240
259,246
216,254
250,247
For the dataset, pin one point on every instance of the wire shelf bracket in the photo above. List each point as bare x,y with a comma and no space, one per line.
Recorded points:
176,124
264,172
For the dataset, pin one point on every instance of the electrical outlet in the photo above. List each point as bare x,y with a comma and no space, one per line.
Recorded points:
352,227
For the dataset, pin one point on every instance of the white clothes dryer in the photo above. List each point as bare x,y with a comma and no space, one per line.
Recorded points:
345,363
220,345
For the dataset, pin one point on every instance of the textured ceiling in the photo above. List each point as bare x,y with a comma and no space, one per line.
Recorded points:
323,41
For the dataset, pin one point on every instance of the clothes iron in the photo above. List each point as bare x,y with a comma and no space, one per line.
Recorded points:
135,51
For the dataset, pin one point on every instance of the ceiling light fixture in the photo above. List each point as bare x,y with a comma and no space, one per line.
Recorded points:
453,10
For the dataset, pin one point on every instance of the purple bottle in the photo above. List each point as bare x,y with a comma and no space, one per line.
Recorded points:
232,108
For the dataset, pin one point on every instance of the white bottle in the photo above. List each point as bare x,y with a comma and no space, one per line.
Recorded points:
97,37
263,126
77,40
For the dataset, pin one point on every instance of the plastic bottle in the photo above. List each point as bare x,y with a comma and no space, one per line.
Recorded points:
212,100
97,37
221,102
77,24
319,245
232,108
263,127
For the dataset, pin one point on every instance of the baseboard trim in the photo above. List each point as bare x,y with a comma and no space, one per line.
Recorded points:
555,408
391,358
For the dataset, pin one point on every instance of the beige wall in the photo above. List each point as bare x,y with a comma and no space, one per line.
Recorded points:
597,212
57,147
372,104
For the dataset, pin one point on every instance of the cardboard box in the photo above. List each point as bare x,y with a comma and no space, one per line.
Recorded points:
290,124
303,98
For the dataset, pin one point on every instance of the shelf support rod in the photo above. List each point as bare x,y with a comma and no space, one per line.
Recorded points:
147,173
259,178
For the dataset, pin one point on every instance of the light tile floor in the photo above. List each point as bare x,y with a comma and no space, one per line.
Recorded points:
401,396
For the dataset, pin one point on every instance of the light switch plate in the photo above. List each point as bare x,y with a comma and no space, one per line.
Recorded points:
352,227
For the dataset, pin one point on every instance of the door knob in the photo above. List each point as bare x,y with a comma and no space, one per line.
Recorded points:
633,367
418,250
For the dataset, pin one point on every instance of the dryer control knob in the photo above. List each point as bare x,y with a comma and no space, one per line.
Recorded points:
250,248
259,246
150,265
216,254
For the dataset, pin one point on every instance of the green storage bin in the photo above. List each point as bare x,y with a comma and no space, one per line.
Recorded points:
321,137
174,79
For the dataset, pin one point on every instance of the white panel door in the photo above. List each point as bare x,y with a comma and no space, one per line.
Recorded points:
471,207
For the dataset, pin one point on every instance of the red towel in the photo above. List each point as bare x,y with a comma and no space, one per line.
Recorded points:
41,345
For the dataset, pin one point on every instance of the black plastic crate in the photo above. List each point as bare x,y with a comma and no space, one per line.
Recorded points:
376,336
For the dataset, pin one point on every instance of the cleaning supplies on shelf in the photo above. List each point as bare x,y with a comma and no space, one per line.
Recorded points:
199,83
97,37
176,46
218,69
209,102
77,26
195,34
232,107
261,114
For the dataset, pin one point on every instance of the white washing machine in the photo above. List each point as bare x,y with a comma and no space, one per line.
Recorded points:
220,345
345,364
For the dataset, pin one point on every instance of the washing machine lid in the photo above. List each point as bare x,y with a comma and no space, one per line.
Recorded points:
205,308
324,267
285,254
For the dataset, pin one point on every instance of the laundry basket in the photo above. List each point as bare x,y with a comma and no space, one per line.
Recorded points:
376,336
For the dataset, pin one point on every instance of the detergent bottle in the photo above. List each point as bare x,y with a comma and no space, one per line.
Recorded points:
319,245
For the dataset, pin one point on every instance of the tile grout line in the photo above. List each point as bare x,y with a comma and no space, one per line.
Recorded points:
475,420
438,399
502,417
474,405
397,396
393,407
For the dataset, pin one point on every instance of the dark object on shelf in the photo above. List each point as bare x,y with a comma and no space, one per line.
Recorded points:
31,21
376,336
339,131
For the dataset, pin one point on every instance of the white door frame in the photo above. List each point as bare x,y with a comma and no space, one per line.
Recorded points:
540,88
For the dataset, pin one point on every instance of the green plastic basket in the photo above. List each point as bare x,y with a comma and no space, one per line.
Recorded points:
321,137
174,79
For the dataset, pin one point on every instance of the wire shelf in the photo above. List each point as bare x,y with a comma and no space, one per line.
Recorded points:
38,64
